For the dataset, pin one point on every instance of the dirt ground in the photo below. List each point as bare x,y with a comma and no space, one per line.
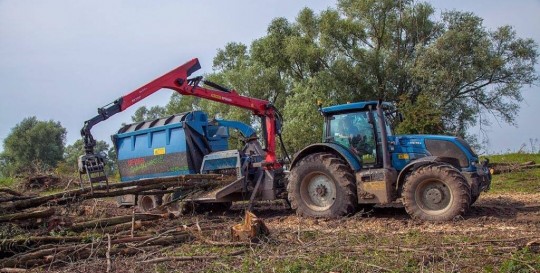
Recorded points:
500,233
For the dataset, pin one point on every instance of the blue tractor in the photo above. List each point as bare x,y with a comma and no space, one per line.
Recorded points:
360,162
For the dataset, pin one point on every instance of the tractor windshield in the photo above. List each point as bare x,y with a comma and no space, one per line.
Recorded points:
354,131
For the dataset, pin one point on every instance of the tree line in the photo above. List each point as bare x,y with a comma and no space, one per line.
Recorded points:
35,146
444,73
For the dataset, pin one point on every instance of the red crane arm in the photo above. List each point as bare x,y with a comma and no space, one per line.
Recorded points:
177,80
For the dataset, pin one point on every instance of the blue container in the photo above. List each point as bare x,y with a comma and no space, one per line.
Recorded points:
169,146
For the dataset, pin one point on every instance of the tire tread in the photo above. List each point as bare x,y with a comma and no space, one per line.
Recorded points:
453,178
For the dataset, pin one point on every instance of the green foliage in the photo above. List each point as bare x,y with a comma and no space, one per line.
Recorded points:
303,123
7,182
473,70
524,260
142,113
446,74
32,142
180,104
420,117
514,158
73,151
527,181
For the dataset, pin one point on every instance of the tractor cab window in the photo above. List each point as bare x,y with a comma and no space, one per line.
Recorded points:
354,131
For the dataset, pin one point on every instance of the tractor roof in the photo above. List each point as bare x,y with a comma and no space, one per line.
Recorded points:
352,107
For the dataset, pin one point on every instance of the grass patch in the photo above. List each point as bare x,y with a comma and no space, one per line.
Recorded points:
522,261
7,182
51,191
525,181
514,158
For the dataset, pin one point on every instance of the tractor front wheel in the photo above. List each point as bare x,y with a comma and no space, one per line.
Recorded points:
436,192
322,185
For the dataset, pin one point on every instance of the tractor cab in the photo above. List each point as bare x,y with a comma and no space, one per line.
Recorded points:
357,127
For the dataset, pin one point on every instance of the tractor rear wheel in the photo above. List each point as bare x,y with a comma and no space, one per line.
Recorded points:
436,192
322,185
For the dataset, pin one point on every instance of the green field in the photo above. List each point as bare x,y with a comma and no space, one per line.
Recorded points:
526,181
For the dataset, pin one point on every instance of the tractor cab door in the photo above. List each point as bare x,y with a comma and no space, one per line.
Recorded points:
355,131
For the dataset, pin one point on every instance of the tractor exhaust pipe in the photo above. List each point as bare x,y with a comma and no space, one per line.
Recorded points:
384,137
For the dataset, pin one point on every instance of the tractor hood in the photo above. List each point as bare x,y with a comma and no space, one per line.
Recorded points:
417,146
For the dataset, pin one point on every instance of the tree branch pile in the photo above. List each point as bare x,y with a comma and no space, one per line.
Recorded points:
187,182
52,235
50,250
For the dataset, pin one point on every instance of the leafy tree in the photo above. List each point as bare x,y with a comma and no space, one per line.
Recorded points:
33,141
142,113
422,116
181,104
444,74
473,71
73,151
4,166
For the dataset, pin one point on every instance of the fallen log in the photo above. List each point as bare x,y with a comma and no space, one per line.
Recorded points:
25,259
13,195
127,226
14,198
10,247
499,168
12,270
85,251
119,189
181,258
27,215
107,222
191,258
11,192
34,240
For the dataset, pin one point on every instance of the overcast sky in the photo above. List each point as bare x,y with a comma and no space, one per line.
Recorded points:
61,60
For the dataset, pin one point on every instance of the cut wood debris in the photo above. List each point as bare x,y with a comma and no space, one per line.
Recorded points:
92,231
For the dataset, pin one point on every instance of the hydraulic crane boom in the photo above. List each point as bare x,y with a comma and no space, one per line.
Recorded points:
177,80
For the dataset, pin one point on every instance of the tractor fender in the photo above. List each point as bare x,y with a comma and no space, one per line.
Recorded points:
347,155
424,161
